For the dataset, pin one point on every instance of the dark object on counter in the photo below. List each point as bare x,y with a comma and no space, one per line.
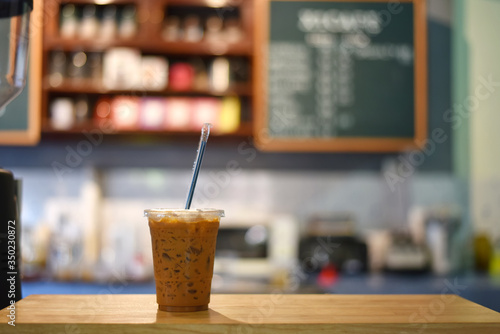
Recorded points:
347,254
243,242
483,251
10,278
405,256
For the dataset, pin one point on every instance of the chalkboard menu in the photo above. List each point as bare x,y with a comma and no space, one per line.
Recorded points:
340,75
20,120
19,123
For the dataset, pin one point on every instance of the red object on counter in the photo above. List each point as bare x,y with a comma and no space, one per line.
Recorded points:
328,276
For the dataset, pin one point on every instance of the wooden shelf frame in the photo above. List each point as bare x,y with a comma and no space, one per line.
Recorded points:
151,45
244,130
91,86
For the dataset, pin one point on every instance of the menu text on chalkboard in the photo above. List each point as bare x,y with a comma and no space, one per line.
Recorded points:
341,75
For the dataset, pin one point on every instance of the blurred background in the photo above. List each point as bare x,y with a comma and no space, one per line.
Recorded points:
307,222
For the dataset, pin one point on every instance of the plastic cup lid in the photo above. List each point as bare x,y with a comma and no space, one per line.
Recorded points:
161,212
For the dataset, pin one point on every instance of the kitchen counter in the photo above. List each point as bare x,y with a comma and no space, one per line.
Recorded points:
480,289
272,313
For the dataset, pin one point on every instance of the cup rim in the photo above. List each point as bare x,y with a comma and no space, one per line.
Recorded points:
167,212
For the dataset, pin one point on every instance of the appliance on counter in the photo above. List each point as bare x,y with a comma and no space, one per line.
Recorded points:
438,229
347,254
431,243
330,244
404,255
256,247
14,25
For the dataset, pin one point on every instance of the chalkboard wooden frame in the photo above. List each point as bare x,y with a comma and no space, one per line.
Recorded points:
31,135
265,142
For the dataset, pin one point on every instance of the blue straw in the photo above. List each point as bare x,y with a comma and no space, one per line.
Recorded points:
205,132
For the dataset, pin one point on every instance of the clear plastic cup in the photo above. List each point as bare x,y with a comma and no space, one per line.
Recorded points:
183,243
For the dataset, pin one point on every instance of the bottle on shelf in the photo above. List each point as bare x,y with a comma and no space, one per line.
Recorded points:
57,68
233,32
121,68
193,31
128,25
219,74
200,82
171,29
62,114
125,112
230,114
214,31
69,21
152,113
178,113
239,70
89,25
181,76
95,66
205,110
81,110
77,67
102,113
108,24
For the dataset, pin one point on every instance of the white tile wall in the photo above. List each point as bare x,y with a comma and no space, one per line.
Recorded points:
301,193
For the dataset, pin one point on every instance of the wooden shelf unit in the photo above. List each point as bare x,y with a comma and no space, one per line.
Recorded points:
150,18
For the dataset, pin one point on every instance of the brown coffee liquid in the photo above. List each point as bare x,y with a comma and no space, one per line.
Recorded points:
183,255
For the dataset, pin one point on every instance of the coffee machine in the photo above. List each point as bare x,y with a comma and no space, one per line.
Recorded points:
10,278
14,24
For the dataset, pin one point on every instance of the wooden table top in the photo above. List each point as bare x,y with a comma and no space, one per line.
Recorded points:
278,313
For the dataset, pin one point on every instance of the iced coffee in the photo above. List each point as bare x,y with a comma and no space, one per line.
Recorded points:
183,244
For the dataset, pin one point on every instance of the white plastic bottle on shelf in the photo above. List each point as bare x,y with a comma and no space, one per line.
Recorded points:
220,74
108,24
193,32
62,114
69,21
233,33
128,24
171,29
214,32
89,24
